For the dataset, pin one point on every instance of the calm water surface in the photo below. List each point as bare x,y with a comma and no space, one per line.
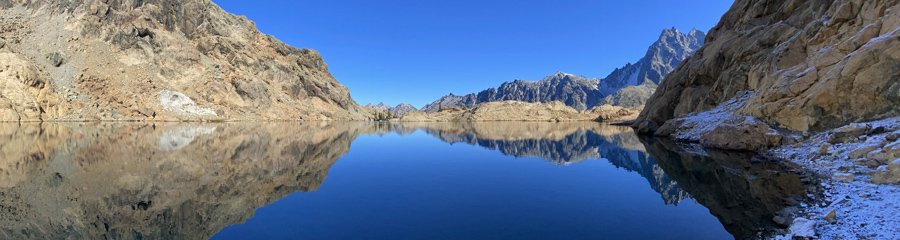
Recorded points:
346,180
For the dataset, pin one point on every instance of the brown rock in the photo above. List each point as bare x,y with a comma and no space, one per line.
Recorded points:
889,174
125,53
812,65
831,215
843,177
741,133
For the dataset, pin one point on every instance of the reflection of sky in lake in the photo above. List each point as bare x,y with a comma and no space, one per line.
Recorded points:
419,187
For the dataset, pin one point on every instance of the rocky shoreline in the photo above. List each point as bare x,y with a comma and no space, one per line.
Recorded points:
859,165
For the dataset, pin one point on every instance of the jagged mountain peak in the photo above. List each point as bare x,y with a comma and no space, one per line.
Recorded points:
581,92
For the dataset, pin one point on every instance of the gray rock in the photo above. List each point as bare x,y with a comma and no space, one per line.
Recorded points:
56,59
892,136
402,108
803,227
847,133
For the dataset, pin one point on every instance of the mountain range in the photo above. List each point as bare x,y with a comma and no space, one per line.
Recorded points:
398,110
629,86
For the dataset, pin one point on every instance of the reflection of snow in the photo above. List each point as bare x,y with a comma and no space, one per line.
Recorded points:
181,136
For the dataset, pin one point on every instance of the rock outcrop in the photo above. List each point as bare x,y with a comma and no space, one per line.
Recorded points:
156,60
811,65
629,86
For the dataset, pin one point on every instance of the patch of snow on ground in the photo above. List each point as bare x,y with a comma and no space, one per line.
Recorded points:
178,102
695,124
863,210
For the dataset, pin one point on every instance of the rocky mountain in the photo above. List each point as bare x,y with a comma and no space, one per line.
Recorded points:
380,106
797,65
661,58
156,60
400,109
628,86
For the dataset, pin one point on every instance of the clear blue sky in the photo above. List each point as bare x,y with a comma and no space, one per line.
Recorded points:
417,51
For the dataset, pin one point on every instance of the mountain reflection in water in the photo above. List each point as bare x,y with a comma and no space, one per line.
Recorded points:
190,180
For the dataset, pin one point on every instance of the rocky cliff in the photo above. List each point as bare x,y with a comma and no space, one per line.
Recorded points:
807,65
155,60
629,86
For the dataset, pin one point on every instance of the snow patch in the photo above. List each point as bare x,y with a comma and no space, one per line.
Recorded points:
178,102
863,209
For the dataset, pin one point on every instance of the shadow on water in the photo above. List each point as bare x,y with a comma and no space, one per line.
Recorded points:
188,181
743,195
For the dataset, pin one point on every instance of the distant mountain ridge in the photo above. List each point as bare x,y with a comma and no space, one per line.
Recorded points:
583,93
400,109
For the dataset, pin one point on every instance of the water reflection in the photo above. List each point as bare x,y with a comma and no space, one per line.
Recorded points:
743,195
154,181
188,181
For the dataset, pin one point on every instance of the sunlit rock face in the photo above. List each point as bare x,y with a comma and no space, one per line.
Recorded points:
154,181
156,60
812,65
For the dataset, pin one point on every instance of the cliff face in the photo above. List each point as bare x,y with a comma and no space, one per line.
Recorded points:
811,65
155,60
631,86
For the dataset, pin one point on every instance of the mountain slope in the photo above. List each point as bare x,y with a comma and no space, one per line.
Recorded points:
583,93
156,60
809,65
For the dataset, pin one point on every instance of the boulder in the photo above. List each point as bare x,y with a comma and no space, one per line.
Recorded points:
803,227
864,150
843,177
741,133
847,133
889,174
894,136
891,151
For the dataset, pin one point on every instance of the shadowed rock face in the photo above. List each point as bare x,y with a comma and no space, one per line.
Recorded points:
744,196
812,65
68,60
158,181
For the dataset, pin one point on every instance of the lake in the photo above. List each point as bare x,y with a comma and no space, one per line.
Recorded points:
363,180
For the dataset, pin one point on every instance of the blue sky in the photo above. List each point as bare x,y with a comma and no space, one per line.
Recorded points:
417,51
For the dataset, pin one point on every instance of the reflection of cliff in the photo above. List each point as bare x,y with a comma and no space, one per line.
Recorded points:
560,143
156,181
744,196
